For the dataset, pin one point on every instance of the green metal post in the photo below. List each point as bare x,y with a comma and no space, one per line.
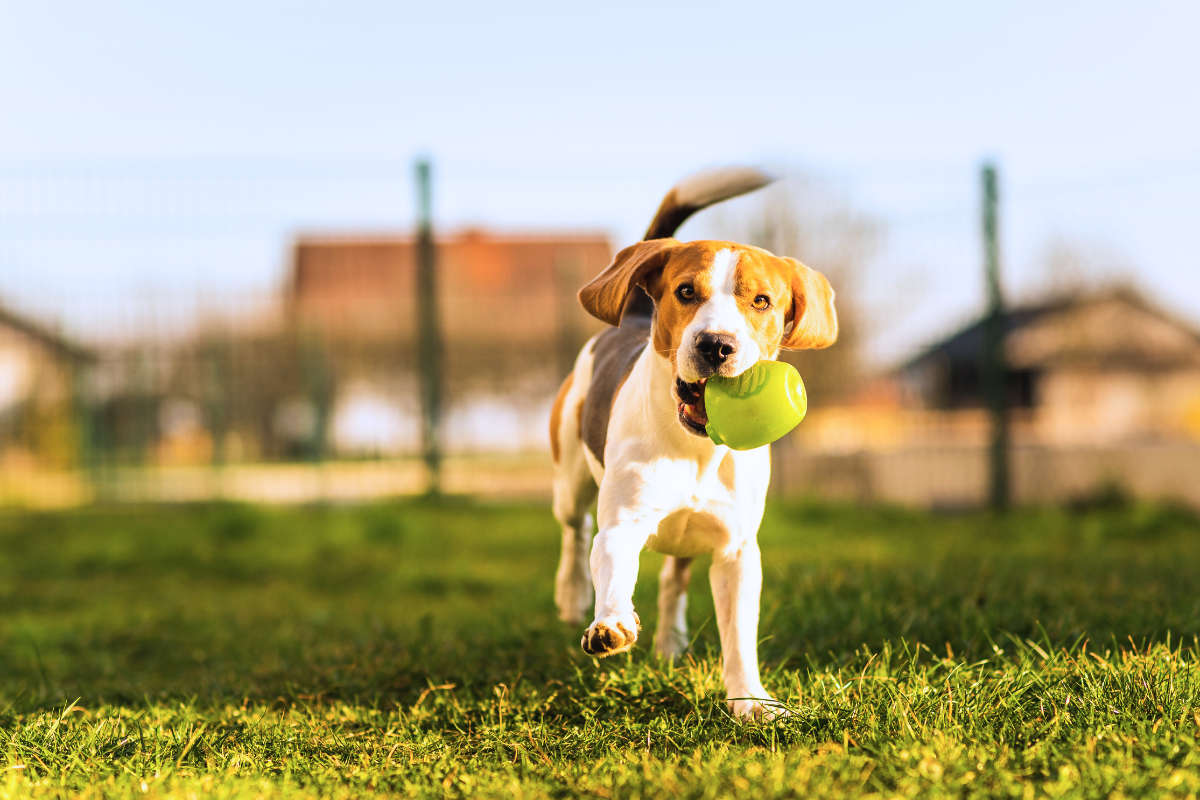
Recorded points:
88,460
318,380
429,344
214,394
994,370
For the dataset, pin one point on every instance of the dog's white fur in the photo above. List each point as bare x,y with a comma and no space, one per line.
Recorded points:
664,488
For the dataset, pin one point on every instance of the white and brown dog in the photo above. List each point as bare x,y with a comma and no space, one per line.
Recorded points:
628,429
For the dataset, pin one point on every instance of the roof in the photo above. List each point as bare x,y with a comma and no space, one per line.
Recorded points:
1109,329
518,285
487,262
40,333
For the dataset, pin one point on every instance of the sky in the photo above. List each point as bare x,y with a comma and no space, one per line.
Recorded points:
249,121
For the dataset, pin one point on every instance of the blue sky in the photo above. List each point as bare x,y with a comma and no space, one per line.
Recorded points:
570,115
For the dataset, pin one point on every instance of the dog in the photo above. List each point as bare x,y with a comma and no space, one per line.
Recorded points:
627,431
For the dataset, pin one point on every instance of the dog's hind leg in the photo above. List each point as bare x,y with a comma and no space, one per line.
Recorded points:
671,637
574,493
573,582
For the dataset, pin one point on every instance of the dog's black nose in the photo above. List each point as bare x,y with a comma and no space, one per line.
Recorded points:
715,348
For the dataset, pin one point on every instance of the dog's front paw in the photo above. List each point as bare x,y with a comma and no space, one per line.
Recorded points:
757,705
611,635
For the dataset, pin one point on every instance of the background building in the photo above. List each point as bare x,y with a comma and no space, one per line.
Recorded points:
492,287
508,315
40,377
1103,392
1093,369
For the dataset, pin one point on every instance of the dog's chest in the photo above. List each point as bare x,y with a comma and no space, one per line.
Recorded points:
712,506
702,526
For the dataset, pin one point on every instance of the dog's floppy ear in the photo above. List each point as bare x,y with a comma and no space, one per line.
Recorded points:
604,298
814,322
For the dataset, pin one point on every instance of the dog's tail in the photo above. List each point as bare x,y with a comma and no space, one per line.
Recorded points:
701,190
693,193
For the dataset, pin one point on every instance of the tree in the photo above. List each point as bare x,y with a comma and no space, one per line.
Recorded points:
808,219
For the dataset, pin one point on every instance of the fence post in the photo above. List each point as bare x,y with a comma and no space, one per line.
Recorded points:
429,345
319,390
215,374
86,427
994,368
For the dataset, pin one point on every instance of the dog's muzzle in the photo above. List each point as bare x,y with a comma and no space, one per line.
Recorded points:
692,414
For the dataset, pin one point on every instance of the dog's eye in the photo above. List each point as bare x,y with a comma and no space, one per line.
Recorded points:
762,302
685,292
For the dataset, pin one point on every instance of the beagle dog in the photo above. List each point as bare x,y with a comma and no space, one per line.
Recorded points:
627,431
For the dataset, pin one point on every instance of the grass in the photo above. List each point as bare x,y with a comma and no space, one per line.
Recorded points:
412,650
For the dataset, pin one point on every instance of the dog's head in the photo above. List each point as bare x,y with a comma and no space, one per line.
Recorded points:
719,308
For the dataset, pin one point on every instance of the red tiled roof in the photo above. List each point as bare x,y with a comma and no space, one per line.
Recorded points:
518,283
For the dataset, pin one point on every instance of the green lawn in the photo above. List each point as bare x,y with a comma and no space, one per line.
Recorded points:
412,649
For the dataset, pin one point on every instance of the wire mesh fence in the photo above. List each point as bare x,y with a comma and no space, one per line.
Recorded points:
250,333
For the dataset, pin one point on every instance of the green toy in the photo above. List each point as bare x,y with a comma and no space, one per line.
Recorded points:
756,407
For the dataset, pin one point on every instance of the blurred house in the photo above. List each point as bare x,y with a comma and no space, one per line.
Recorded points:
490,286
39,374
1103,389
1096,369
509,318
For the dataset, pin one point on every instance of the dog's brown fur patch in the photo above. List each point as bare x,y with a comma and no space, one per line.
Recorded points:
727,472
556,412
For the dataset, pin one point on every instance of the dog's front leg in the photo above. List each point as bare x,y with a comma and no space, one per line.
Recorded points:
736,579
615,552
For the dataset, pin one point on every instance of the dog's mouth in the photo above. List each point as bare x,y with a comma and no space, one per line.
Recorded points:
691,406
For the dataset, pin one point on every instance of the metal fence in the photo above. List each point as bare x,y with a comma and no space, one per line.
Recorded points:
157,344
